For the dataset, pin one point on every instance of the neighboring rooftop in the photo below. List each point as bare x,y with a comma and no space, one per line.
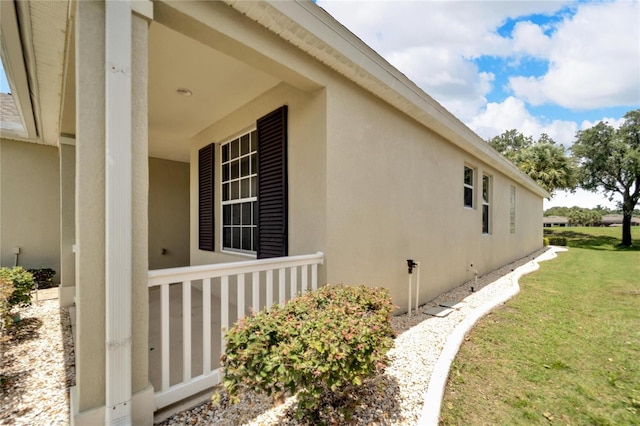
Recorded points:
9,116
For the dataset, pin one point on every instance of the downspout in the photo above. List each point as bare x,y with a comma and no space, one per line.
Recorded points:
118,211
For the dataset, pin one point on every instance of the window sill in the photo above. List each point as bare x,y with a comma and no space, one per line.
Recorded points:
239,253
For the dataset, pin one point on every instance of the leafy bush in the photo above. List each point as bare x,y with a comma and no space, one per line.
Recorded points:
23,284
43,277
558,241
322,345
6,290
545,241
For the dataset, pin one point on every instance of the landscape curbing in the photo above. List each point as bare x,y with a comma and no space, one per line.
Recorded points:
433,397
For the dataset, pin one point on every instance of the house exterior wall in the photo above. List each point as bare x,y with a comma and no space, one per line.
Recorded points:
385,188
29,205
168,213
395,192
307,169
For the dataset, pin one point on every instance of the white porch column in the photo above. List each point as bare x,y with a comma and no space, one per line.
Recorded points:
111,215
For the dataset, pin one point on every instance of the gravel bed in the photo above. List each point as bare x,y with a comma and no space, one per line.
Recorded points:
393,398
37,367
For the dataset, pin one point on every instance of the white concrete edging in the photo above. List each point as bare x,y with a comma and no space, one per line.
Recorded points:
433,397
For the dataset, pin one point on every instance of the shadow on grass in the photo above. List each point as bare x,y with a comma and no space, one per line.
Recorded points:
592,242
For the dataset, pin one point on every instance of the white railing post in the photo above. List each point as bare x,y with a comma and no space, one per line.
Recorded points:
294,281
224,310
314,276
269,288
240,301
255,284
305,279
206,325
281,287
186,331
164,325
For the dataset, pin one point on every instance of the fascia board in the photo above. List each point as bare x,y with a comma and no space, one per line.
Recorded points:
13,61
313,30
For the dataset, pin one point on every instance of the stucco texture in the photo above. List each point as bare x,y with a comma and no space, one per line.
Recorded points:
29,205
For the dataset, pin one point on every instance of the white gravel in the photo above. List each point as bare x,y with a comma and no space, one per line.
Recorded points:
39,366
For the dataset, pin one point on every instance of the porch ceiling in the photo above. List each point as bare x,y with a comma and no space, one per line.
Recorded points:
219,84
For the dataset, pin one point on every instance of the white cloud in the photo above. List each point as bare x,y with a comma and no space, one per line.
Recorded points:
512,113
529,38
615,123
580,198
594,60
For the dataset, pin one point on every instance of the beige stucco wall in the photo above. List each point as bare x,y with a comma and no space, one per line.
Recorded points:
168,213
30,205
307,168
395,192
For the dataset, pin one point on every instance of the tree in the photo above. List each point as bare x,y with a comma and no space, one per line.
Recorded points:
609,159
543,160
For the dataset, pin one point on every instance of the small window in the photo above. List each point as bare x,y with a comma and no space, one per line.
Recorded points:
512,211
239,193
468,186
486,188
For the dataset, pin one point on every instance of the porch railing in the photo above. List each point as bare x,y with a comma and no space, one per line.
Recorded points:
249,285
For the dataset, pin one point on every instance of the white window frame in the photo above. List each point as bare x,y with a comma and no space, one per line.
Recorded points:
486,202
252,198
470,186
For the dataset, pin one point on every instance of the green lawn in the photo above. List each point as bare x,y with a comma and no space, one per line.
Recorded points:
566,350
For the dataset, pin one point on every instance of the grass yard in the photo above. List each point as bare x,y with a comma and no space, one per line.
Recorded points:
566,350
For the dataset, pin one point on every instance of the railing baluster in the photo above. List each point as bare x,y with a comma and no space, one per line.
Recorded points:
224,310
294,281
164,320
186,331
255,283
206,325
240,303
314,276
281,290
269,288
305,282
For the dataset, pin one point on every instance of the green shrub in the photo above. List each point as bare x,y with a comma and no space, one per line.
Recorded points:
558,241
23,284
43,277
6,290
322,345
545,241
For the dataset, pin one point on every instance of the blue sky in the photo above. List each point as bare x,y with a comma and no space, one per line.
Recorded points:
552,67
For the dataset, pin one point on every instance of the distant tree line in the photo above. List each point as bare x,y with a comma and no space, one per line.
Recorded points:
578,216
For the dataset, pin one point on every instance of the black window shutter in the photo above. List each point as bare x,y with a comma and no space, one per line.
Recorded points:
206,225
272,184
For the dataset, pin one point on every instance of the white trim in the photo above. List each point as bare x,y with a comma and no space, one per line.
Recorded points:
14,61
118,211
487,202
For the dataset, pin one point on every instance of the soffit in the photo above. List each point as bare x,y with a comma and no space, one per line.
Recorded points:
219,84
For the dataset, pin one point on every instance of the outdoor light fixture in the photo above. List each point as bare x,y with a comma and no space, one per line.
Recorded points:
184,92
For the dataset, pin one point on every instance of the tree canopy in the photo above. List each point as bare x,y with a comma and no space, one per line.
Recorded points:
543,160
609,160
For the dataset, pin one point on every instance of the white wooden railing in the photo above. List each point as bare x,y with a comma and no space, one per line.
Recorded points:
270,281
